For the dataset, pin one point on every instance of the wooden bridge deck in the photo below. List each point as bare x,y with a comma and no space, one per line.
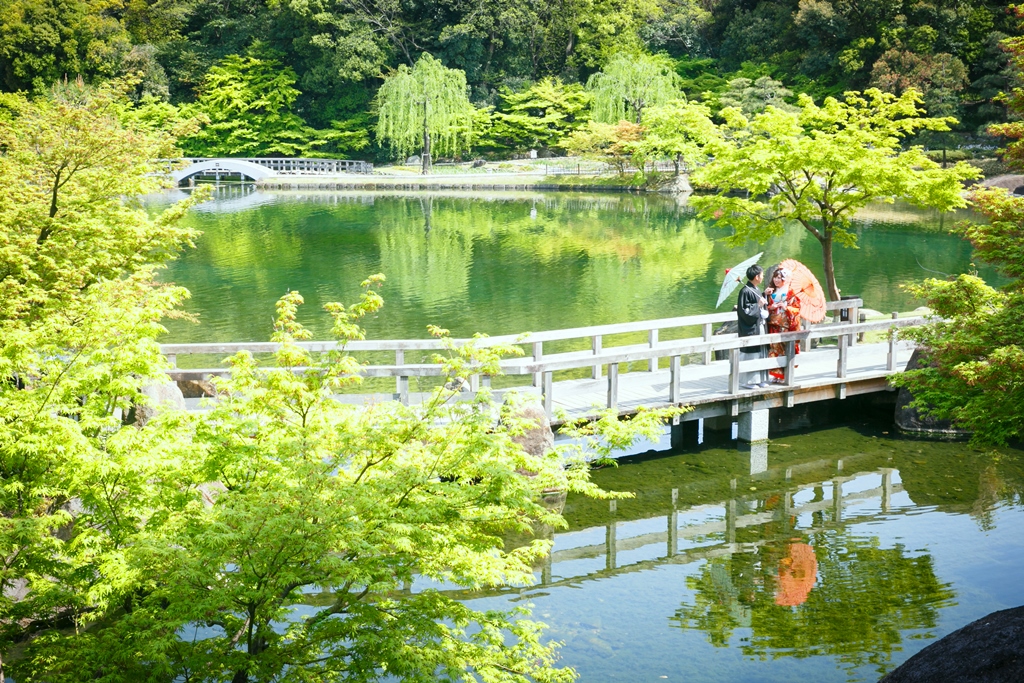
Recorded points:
838,367
700,385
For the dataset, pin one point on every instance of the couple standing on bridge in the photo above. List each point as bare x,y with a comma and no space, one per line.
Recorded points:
778,309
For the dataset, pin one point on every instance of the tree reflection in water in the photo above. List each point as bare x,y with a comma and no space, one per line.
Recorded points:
829,593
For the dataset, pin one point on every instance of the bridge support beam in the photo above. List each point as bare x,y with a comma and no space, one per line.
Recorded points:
753,426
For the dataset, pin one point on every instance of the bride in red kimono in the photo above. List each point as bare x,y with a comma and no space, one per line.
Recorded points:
783,316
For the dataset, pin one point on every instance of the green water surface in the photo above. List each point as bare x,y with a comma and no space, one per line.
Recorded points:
503,263
846,552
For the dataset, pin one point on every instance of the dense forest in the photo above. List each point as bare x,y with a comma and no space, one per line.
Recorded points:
301,76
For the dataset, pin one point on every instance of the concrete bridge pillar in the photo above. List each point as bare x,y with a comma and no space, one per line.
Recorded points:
753,426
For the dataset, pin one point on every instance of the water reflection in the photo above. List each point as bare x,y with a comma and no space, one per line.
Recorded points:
503,262
830,560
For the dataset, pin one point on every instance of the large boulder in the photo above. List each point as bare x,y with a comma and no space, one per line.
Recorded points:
989,650
540,439
159,395
196,388
911,420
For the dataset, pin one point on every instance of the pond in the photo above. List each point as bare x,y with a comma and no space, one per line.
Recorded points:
502,263
829,555
834,555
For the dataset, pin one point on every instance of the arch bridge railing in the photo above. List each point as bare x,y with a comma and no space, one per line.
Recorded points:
542,366
284,165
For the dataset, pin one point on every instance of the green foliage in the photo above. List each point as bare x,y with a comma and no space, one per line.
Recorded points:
79,309
42,41
972,360
619,145
540,117
1014,98
272,536
249,105
426,109
629,82
68,159
753,96
680,131
820,165
289,531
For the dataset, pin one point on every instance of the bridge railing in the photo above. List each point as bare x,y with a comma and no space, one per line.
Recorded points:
542,366
301,166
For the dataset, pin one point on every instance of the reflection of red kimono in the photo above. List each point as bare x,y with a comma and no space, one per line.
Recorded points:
797,574
783,320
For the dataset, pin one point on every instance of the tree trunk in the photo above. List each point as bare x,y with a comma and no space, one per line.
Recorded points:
426,136
675,162
830,269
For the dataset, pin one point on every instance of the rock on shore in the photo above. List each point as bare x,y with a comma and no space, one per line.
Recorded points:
989,650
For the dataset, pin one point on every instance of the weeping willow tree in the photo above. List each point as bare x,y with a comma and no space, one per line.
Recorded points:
425,108
630,82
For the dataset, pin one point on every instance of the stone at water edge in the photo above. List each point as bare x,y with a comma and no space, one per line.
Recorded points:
540,439
910,420
989,650
160,395
681,185
196,388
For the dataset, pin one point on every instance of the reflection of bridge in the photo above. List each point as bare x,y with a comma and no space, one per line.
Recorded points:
261,168
703,531
689,375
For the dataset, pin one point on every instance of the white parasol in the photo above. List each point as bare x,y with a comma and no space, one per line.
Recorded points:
734,277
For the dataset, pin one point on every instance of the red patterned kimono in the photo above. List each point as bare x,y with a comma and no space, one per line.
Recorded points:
785,319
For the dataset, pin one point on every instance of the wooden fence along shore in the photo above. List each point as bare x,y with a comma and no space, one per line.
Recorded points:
679,371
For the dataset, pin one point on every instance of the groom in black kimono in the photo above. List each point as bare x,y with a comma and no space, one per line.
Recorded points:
751,314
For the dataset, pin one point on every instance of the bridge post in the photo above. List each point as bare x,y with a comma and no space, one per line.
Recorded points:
595,345
673,383
652,341
753,425
403,390
545,391
854,318
734,371
789,370
890,361
399,360
538,353
706,334
613,385
843,342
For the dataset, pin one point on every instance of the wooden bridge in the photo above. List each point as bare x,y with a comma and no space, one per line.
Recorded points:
577,372
261,168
